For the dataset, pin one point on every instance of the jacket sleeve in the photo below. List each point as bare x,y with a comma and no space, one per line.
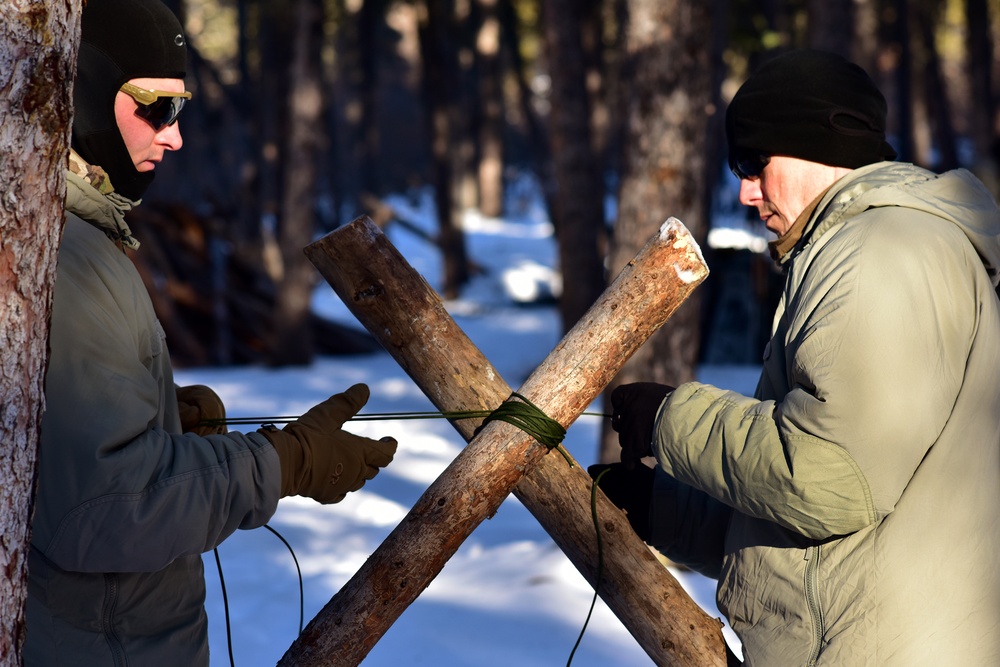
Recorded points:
687,525
120,489
876,343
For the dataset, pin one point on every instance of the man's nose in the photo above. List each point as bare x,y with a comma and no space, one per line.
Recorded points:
749,191
170,137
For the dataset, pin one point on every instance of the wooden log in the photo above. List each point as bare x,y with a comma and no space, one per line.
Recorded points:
398,307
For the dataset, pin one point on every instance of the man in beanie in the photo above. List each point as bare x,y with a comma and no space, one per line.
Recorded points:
849,509
132,486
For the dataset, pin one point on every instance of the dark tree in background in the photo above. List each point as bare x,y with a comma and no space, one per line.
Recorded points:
440,73
304,140
831,25
491,109
578,204
668,113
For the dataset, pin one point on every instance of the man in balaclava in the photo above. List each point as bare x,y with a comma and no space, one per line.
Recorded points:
849,508
135,481
121,42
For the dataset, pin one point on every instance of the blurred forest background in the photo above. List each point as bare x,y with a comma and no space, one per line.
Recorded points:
308,113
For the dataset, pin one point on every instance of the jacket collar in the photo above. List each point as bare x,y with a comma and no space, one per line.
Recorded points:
90,196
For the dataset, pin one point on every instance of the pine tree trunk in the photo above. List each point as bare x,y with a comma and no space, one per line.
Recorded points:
831,26
38,44
667,115
440,71
579,201
490,172
303,148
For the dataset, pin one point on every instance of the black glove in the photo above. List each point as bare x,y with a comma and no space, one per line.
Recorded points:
629,489
634,409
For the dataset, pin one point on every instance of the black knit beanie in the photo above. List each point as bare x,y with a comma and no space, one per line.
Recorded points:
120,40
811,105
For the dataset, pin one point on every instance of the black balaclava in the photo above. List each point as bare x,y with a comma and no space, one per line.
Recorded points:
120,40
811,105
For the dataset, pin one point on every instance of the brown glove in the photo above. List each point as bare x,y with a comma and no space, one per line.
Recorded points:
322,461
197,403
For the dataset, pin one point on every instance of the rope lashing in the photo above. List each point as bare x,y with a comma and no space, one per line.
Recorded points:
528,417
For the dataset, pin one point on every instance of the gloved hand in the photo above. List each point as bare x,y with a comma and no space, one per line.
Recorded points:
197,403
633,408
322,461
630,489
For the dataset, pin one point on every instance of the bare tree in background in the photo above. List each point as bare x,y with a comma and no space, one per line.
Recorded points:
441,75
304,141
668,113
864,47
831,26
982,110
579,198
490,71
38,45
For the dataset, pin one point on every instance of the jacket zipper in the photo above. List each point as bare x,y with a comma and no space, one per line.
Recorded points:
812,599
108,621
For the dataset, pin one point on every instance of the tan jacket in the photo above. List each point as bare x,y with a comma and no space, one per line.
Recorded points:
855,501
126,504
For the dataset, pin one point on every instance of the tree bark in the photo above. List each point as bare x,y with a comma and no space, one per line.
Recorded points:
38,45
831,26
304,140
401,310
982,107
579,202
668,113
440,71
491,154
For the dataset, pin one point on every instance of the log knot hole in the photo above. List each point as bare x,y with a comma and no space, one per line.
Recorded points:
371,292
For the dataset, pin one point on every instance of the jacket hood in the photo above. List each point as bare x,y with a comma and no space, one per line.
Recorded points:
956,196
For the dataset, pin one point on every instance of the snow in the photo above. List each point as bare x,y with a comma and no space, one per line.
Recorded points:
508,596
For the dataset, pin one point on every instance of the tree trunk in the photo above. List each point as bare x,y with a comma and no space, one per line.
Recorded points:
579,203
304,141
831,26
935,93
668,112
38,45
491,159
440,72
864,48
538,142
982,105
398,307
904,82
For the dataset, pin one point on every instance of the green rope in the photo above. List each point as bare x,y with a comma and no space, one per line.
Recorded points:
372,416
600,561
529,418
521,413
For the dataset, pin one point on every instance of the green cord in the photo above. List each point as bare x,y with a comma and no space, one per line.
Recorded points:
529,418
600,561
521,413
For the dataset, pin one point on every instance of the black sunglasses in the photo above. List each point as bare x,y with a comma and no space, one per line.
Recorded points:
157,107
749,164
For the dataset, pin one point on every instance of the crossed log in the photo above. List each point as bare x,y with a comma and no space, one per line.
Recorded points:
397,306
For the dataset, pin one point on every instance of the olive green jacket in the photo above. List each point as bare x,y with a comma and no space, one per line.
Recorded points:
851,509
126,504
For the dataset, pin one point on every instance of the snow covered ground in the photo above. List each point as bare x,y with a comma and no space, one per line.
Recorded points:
509,596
